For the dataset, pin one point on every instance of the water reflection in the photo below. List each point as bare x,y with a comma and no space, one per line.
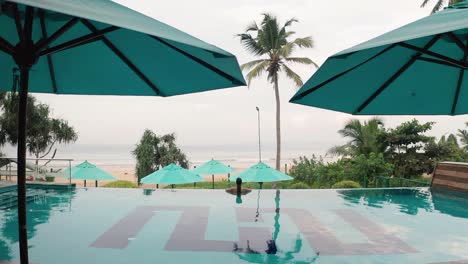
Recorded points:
40,208
272,254
279,257
410,201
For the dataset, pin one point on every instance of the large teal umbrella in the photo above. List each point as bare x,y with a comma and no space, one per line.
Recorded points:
87,171
171,174
418,69
98,47
213,167
261,173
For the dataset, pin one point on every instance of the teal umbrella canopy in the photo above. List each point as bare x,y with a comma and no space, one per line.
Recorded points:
98,47
171,174
213,167
88,171
261,172
418,69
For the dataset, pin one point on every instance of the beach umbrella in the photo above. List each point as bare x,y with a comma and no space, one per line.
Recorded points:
171,174
87,171
98,47
418,69
213,167
261,173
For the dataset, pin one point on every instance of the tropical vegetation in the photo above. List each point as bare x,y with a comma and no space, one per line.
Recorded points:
377,156
156,151
273,43
43,132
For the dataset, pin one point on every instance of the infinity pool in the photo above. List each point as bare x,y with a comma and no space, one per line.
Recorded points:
204,226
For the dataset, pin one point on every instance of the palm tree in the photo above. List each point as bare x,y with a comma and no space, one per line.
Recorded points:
463,134
440,4
364,138
271,43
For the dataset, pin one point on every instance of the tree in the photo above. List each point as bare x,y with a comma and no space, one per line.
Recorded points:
43,131
367,168
445,150
439,4
154,152
463,134
271,43
405,148
365,138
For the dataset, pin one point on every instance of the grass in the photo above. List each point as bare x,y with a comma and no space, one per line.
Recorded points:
226,184
120,184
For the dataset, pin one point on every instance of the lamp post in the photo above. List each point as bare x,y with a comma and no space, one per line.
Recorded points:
259,142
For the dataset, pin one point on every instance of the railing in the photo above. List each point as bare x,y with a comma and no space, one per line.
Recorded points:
394,182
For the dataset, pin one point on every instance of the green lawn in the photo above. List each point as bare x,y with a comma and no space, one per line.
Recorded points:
226,184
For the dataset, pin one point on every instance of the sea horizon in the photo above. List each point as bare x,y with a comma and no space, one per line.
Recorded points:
115,156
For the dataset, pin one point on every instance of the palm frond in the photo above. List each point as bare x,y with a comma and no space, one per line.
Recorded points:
286,50
293,76
257,71
306,42
340,151
252,27
304,60
251,44
289,22
249,65
439,4
424,3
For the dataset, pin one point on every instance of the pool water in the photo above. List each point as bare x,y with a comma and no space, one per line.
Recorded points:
98,225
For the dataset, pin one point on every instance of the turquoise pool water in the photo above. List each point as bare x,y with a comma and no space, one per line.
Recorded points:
204,226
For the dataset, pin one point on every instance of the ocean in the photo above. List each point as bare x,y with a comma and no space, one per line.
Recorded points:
117,156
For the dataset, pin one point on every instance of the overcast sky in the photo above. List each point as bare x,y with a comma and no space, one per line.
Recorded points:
228,117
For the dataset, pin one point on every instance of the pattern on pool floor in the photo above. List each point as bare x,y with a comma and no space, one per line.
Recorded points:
190,231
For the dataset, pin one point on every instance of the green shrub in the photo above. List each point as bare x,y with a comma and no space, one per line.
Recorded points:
299,185
49,179
120,184
346,185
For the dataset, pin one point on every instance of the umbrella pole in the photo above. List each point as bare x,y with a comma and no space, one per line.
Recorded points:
212,179
96,184
21,179
84,183
24,57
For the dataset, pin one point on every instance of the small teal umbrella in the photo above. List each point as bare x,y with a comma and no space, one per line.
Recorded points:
213,167
418,69
171,174
261,173
87,171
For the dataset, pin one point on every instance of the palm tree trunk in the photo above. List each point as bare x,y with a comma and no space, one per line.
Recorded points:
278,123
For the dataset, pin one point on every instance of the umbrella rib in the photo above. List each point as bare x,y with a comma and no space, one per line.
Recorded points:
125,59
28,23
457,92
397,74
19,28
86,39
309,91
442,62
459,83
458,42
6,46
45,42
200,61
433,54
49,56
